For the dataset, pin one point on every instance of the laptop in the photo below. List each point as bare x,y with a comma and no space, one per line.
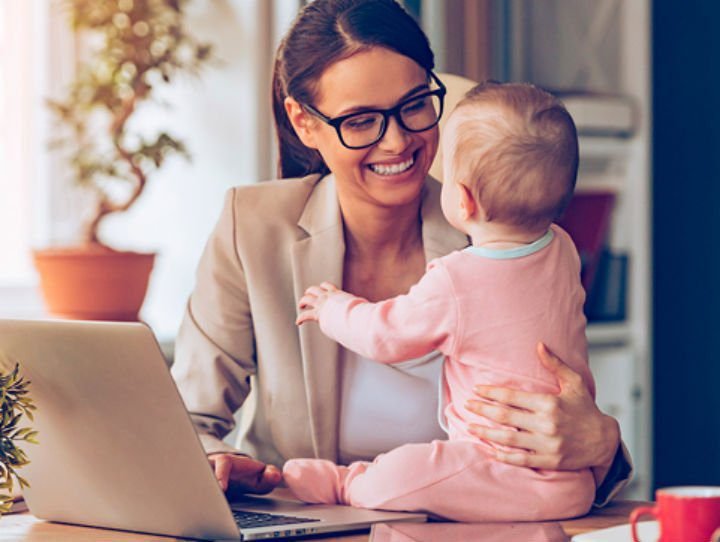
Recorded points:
117,448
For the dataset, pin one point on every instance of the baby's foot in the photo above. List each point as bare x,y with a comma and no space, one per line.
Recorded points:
316,480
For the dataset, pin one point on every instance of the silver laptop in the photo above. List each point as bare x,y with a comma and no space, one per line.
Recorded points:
118,450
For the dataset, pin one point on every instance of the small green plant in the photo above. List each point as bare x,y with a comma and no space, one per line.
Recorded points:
14,404
139,46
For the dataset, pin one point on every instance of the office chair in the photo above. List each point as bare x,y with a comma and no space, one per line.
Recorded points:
457,86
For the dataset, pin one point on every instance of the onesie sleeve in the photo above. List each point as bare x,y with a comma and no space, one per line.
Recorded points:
400,328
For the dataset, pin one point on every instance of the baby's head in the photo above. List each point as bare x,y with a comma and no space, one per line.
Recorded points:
514,148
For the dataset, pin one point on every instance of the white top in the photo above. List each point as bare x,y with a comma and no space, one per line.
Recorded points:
385,406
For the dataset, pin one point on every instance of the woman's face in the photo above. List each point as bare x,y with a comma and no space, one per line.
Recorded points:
392,171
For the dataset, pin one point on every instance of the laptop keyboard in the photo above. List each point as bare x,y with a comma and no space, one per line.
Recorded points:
249,520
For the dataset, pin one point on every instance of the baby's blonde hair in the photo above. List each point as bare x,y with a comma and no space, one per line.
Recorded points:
516,149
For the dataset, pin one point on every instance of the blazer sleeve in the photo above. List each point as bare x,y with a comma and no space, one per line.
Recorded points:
214,352
399,328
616,479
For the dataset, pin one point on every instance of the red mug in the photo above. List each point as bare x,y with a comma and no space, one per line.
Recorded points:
685,514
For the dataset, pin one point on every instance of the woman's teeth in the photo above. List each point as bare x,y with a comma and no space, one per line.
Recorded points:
392,169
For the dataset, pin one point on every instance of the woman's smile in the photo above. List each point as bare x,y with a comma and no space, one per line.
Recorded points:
395,167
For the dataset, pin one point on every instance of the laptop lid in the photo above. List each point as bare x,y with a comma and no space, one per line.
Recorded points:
117,447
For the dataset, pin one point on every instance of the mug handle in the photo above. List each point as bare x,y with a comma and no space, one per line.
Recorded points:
637,514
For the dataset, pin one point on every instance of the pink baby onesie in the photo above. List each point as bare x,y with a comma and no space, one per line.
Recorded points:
485,310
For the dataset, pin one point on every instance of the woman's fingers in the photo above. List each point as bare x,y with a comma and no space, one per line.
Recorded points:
241,474
526,459
528,449
509,416
564,430
564,374
525,400
506,437
222,467
270,478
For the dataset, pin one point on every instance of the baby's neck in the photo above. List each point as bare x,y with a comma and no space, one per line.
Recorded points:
502,236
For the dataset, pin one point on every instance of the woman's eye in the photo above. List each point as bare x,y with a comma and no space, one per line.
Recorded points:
417,105
361,123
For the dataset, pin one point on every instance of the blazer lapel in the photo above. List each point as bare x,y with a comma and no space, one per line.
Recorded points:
317,258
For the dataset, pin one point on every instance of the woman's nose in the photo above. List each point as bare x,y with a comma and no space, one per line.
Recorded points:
395,139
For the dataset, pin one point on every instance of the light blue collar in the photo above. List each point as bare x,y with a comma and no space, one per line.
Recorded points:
511,253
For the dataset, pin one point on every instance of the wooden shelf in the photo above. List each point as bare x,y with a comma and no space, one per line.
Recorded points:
608,334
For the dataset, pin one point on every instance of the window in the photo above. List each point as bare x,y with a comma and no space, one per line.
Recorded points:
18,86
30,70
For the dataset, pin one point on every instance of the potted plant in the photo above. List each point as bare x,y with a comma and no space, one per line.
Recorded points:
14,404
140,45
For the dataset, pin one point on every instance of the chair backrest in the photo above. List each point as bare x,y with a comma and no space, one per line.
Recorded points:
457,86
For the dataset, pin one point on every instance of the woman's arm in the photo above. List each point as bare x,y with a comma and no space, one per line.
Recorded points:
215,358
214,352
566,431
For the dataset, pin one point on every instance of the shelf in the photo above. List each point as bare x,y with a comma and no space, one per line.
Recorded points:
591,146
608,334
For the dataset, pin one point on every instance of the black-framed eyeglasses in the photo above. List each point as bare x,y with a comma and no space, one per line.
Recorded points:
365,128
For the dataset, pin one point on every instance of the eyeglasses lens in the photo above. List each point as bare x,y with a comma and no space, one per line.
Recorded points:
364,129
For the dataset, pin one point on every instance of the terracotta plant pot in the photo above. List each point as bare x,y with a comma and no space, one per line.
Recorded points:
93,282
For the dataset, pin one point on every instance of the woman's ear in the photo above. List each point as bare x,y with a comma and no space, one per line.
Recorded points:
301,122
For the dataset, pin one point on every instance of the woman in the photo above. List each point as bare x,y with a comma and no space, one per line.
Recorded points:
357,209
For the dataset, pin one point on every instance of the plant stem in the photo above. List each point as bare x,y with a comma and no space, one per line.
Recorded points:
117,128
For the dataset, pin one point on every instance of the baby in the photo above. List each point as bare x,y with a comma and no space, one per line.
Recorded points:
510,165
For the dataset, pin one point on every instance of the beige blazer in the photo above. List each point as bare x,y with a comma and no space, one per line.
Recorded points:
238,344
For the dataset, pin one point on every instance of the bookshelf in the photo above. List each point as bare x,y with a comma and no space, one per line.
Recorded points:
602,47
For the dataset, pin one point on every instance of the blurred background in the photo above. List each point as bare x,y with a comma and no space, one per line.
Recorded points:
639,77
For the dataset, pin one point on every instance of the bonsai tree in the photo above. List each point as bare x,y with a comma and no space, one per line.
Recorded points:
140,44
14,404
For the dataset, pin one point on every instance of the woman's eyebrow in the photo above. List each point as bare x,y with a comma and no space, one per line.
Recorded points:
361,108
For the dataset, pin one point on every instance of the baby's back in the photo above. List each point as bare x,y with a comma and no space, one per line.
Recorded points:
505,307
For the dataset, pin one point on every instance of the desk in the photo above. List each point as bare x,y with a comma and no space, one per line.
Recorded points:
27,528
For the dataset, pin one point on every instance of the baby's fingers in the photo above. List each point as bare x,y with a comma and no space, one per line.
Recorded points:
328,287
314,291
306,316
307,302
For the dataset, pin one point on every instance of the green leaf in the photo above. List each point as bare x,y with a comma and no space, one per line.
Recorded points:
15,403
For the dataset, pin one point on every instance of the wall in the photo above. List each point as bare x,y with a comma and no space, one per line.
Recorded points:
686,203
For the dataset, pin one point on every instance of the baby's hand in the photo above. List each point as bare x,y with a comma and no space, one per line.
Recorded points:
312,301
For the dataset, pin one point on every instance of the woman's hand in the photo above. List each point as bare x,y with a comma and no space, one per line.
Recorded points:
566,431
312,301
238,474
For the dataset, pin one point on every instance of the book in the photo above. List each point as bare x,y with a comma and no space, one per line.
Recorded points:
587,220
599,114
606,302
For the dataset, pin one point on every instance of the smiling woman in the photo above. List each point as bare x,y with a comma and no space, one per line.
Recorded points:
365,216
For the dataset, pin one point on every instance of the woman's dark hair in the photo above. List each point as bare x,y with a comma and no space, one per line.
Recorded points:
324,32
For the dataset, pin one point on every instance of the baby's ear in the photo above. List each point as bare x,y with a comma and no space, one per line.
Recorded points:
301,122
468,206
